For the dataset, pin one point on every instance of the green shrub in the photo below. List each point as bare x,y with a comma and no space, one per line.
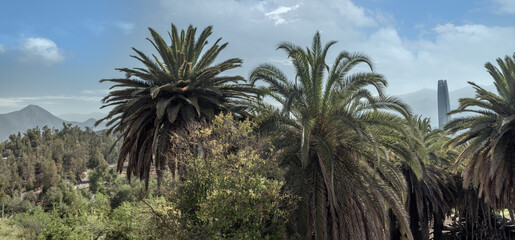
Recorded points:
230,188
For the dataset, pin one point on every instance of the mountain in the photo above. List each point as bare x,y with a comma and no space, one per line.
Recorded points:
424,102
33,116
81,117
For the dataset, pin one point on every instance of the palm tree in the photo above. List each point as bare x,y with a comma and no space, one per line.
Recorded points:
181,85
431,188
489,137
324,132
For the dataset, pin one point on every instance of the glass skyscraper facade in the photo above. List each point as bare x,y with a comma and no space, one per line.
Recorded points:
443,103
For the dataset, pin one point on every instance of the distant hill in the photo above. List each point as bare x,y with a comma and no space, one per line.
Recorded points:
424,102
33,116
81,117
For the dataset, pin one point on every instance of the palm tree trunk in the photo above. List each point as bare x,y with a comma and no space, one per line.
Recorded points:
424,227
330,196
159,174
414,218
395,232
411,202
438,227
304,214
163,146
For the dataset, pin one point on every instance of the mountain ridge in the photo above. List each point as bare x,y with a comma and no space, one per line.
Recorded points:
423,102
81,117
33,116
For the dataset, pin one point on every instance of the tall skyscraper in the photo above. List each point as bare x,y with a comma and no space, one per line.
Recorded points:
443,103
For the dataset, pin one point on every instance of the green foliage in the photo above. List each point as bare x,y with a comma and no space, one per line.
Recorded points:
19,202
489,137
10,230
97,160
325,129
96,182
122,191
243,199
48,176
122,194
33,222
231,188
101,205
40,159
71,216
431,188
336,160
179,85
66,200
71,227
131,220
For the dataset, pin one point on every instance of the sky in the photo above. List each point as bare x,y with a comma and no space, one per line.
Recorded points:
53,53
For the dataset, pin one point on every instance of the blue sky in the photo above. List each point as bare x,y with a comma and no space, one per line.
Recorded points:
52,53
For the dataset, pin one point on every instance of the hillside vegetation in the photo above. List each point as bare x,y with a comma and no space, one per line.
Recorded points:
322,154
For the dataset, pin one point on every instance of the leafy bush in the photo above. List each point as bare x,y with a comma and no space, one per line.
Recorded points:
230,188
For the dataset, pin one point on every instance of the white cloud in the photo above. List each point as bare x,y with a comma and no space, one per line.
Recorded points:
453,52
457,53
283,61
95,92
276,17
125,27
333,10
2,49
353,13
504,6
410,62
10,102
41,50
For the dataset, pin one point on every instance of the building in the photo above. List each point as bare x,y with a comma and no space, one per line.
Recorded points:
443,103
